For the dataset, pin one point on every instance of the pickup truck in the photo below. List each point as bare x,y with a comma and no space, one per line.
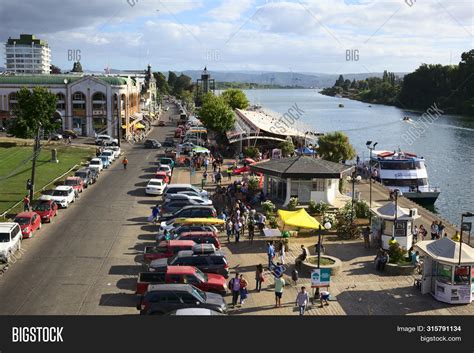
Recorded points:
166,249
208,282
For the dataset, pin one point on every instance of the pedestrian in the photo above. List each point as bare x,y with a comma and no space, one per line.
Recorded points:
243,290
26,203
261,223
155,211
279,284
440,230
302,300
237,230
282,253
366,235
434,230
295,276
69,140
415,234
218,176
229,173
324,297
251,227
206,162
422,232
234,285
270,254
125,162
259,279
302,257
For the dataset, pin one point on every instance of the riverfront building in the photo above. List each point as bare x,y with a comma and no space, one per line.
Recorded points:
27,55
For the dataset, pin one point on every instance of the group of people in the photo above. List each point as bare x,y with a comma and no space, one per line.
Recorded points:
240,217
437,231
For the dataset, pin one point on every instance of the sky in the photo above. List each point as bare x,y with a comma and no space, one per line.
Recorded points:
318,36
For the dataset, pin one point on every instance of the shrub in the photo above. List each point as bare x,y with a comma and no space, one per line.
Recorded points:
331,218
272,222
268,207
361,209
320,208
395,252
254,184
312,207
345,228
251,152
293,203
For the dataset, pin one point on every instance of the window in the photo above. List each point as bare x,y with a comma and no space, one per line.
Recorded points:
461,275
191,279
188,298
200,261
185,213
445,273
319,185
175,279
216,260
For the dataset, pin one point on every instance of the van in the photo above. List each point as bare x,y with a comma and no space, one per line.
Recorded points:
10,240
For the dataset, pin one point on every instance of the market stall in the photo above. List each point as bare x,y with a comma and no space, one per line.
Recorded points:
392,221
448,270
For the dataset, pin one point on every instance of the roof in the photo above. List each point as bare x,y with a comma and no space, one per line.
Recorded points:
185,234
180,270
169,287
446,250
63,187
301,167
25,214
387,211
57,79
7,225
178,243
26,39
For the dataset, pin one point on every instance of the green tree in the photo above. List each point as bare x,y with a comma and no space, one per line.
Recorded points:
182,83
340,81
287,147
161,83
235,98
171,79
34,110
335,147
216,114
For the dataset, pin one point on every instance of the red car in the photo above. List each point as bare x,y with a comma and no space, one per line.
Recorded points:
208,282
244,169
46,209
166,249
201,238
76,183
29,222
162,176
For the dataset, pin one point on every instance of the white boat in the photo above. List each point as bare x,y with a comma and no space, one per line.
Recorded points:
406,172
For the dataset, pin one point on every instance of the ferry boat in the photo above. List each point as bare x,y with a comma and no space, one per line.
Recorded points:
406,172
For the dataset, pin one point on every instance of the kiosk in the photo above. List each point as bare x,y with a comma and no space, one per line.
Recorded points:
387,224
448,277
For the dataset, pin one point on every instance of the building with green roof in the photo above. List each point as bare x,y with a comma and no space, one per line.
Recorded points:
27,55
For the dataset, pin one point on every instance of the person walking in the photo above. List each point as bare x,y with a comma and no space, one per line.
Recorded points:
415,234
295,276
440,230
282,253
279,284
243,290
125,163
422,232
237,230
302,300
434,230
234,285
251,227
366,235
259,279
26,203
155,211
270,254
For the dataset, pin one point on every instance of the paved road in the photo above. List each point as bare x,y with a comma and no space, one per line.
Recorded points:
85,262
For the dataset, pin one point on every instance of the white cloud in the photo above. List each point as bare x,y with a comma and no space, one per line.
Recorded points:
230,10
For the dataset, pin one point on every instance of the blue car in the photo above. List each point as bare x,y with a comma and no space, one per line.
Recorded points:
105,160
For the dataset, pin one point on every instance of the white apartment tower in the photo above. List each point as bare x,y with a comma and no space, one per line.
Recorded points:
27,55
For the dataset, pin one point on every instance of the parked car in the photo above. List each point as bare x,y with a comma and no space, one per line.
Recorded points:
29,223
165,168
176,188
106,140
197,193
195,198
166,161
164,298
215,262
110,154
55,136
169,142
173,206
63,195
201,238
207,282
162,176
105,161
76,183
165,249
96,163
10,240
69,133
192,211
161,123
195,312
240,170
155,187
151,144
85,175
94,174
178,229
46,208
116,150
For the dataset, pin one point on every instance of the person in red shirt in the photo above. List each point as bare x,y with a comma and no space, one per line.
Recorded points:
26,203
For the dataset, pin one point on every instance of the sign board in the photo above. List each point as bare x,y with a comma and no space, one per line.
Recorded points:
276,153
466,226
320,277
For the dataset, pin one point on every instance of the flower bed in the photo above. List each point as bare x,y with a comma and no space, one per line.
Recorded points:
311,264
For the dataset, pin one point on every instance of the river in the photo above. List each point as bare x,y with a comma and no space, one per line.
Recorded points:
447,144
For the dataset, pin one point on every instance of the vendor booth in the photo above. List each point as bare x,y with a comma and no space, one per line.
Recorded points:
392,221
446,275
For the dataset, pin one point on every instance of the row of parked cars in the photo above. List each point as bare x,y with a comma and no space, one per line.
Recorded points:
27,223
185,269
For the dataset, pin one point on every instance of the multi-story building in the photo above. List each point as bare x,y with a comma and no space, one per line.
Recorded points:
87,104
27,55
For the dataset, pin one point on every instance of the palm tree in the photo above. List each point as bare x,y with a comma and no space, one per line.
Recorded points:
335,147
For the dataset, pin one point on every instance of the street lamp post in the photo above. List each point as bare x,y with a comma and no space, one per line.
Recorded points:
395,194
327,226
371,148
353,178
464,215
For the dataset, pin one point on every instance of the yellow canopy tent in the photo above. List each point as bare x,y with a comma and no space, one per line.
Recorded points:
299,219
139,126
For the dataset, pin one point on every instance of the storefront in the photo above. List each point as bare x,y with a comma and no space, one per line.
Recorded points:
446,276
387,224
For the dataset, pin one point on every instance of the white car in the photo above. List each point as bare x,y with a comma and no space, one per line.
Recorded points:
116,150
165,168
155,187
10,240
63,195
182,196
106,140
96,163
110,154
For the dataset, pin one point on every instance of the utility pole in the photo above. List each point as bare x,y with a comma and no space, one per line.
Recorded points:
36,148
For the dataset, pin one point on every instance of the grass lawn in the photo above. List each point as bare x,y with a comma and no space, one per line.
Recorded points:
13,178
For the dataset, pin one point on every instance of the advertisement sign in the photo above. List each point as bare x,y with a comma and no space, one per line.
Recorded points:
320,277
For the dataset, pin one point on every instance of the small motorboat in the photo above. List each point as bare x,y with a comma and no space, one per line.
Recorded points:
341,105
406,118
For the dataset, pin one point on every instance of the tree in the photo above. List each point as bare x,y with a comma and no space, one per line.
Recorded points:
161,83
287,147
34,109
340,81
335,147
182,83
77,67
216,114
171,79
54,70
235,98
